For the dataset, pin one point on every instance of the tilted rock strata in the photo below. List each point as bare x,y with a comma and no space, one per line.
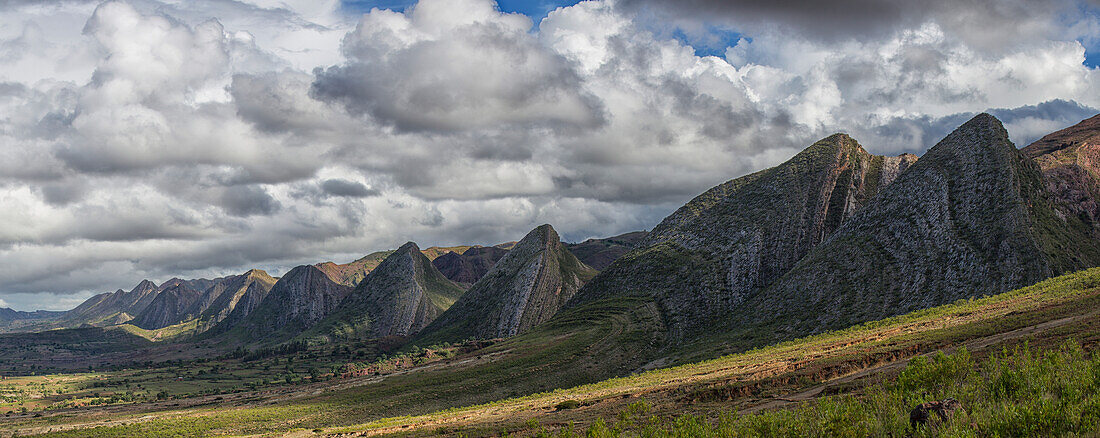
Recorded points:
526,287
705,259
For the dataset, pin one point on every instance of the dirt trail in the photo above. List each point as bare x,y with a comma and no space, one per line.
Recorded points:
972,345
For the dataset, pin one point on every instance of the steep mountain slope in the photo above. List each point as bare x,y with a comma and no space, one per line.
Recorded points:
468,267
222,299
600,253
1070,160
526,287
107,306
398,298
971,217
701,262
169,307
296,302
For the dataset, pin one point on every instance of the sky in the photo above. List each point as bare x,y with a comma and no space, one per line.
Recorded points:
170,138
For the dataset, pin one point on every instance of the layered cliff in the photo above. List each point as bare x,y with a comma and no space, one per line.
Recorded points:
972,217
398,298
296,302
1070,160
700,263
526,287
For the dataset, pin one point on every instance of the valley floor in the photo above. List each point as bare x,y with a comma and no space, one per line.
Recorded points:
859,381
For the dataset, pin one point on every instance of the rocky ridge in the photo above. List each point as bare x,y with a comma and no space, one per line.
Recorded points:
398,298
970,218
526,287
701,262
296,302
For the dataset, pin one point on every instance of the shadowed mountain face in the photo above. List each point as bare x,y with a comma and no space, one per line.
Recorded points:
1070,160
526,287
296,302
223,298
180,302
835,237
600,253
701,262
169,307
398,298
467,268
970,218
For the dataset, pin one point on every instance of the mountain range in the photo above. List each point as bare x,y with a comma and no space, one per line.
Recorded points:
833,237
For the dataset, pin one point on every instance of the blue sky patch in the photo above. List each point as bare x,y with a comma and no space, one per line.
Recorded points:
536,9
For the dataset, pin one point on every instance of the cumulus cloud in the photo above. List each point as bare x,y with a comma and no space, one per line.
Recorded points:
149,139
454,65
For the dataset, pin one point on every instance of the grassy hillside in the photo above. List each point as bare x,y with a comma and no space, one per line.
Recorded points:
554,366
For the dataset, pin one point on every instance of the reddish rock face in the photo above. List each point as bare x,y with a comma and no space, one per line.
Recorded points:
1070,160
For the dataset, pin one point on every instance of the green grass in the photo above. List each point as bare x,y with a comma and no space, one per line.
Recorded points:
1022,392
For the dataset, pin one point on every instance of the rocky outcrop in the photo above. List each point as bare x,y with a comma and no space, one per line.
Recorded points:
169,307
600,253
398,298
971,217
703,261
296,302
223,297
526,287
468,267
1070,160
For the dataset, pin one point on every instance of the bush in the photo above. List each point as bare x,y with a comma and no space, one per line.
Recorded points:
568,404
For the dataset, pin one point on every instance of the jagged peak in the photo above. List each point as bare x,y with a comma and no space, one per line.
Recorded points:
407,247
302,269
172,282
144,284
837,141
980,132
544,233
254,273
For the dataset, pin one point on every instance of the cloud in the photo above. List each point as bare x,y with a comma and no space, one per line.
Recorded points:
452,66
986,24
340,187
248,201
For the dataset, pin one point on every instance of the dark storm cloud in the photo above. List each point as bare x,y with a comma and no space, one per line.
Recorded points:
989,23
248,201
345,188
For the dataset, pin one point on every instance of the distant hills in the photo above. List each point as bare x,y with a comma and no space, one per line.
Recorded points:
385,293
